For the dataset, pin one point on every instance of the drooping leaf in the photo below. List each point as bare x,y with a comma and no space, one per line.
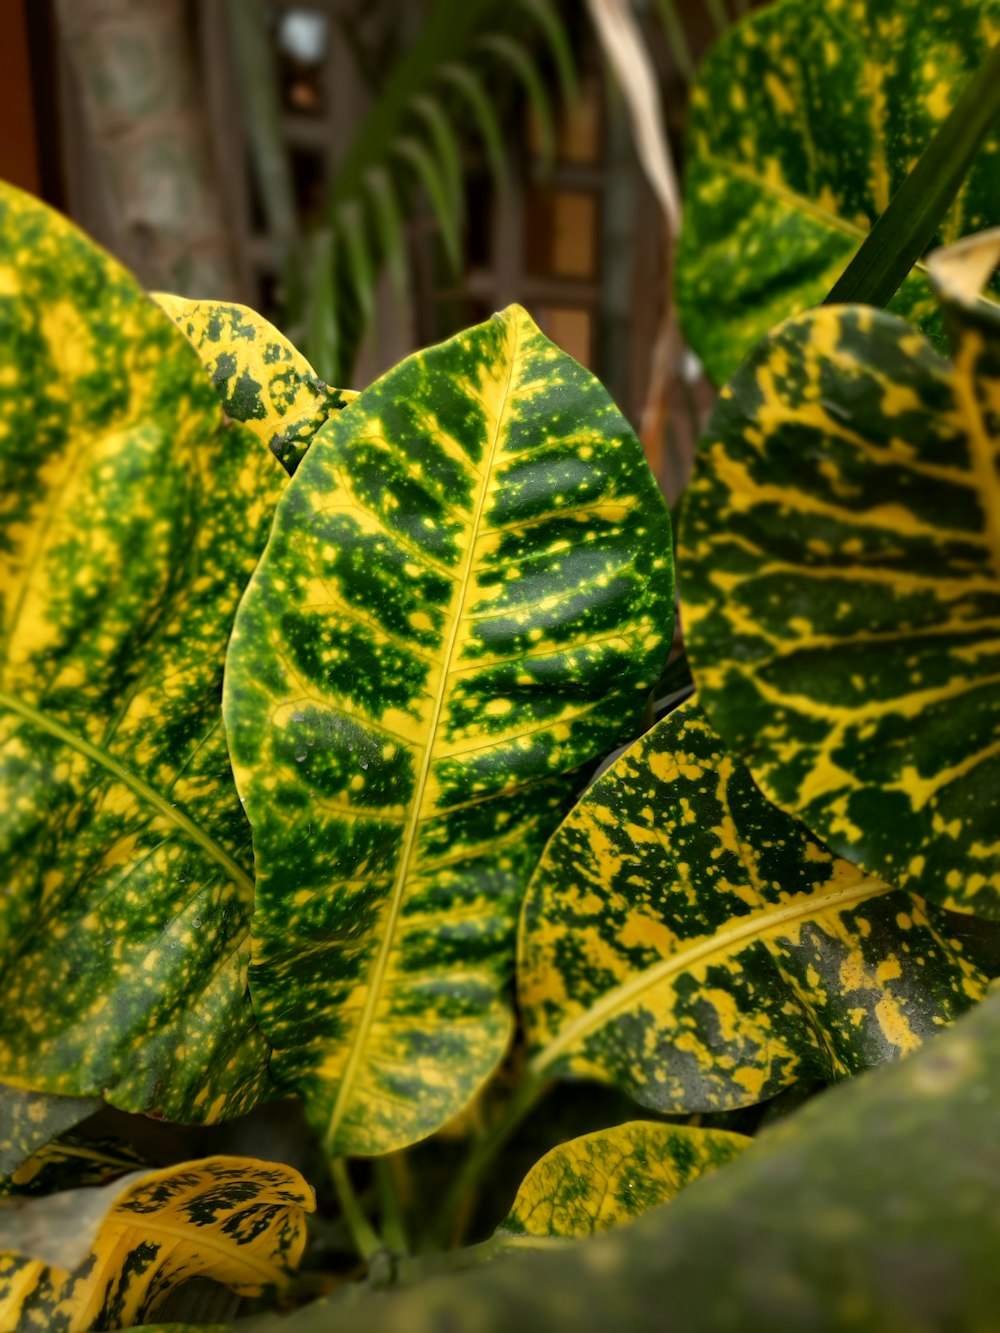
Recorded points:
28,1120
124,852
260,377
389,222
429,173
447,150
806,120
470,85
600,1180
686,941
874,1208
465,599
841,553
351,224
235,1220
71,1161
514,54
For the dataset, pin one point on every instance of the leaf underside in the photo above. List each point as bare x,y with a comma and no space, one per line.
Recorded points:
841,554
806,119
124,851
466,596
691,944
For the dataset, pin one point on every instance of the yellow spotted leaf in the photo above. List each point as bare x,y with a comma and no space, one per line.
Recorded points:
806,119
465,599
235,1220
260,377
688,942
28,1122
600,1180
840,545
131,518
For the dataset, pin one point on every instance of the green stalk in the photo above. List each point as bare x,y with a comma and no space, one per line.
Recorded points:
481,1156
366,1242
390,1209
907,227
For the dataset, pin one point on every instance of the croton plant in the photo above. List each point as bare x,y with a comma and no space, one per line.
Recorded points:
349,779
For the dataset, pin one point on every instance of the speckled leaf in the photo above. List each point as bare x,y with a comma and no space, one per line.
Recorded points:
876,1208
130,521
70,1161
29,1120
806,119
235,1220
259,376
841,556
600,1180
465,598
688,942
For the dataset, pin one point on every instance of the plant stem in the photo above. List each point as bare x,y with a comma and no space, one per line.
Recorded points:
390,1209
363,1234
482,1154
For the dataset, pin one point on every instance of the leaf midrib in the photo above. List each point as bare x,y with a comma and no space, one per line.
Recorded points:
136,784
377,976
756,926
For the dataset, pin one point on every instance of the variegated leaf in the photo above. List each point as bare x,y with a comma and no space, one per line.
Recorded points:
603,1179
841,557
131,518
806,119
235,1220
688,942
259,376
466,596
30,1120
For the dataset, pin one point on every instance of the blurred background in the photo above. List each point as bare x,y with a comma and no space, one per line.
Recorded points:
373,175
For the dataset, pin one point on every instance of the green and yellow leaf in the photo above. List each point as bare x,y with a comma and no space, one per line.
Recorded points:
696,947
259,376
237,1221
805,121
601,1180
124,852
70,1161
841,555
466,596
29,1121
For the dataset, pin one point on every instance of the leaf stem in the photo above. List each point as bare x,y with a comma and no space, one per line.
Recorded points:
366,1242
390,1208
481,1155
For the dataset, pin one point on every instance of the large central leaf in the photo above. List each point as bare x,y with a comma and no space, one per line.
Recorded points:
466,596
124,854
805,121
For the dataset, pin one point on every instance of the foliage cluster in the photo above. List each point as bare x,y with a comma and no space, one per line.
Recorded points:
342,758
